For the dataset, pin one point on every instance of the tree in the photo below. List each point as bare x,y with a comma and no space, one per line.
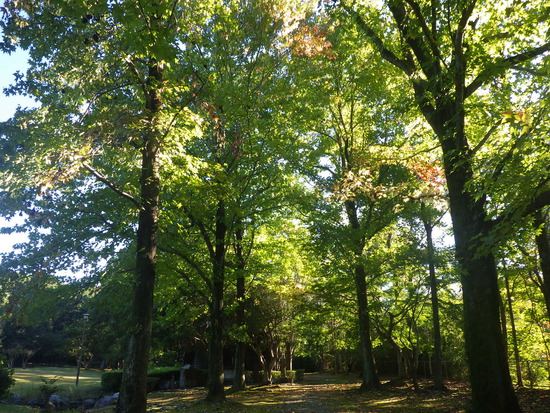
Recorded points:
97,55
449,51
239,162
359,171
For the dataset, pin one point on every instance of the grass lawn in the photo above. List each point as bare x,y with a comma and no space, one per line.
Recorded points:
28,381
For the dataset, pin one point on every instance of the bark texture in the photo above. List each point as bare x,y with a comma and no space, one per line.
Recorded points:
543,246
133,392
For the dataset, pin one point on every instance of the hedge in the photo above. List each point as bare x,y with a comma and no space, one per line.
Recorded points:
111,380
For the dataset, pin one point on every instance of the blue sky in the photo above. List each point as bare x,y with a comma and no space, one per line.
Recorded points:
9,64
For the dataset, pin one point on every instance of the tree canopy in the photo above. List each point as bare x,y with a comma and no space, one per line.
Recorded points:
274,177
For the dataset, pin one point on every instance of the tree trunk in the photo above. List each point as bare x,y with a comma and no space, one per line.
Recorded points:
543,246
492,389
133,392
215,343
239,380
370,375
514,334
441,99
436,362
289,354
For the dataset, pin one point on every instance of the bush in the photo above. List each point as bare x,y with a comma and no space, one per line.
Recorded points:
111,381
152,384
6,380
291,376
48,387
300,374
165,373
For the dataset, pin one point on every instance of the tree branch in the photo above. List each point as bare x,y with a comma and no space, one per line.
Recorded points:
405,65
102,178
486,137
500,66
540,201
203,231
191,263
425,29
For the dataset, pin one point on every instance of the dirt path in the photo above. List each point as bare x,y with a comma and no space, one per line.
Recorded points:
321,393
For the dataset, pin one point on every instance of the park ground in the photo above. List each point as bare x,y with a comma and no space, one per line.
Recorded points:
318,393
326,393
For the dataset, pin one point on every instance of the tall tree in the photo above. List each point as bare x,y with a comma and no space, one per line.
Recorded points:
239,159
449,51
108,102
357,174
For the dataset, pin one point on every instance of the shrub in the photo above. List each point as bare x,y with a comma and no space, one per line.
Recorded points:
6,380
165,373
300,374
152,384
196,377
291,376
111,381
48,387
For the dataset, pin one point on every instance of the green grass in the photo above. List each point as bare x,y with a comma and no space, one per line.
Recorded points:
28,381
17,409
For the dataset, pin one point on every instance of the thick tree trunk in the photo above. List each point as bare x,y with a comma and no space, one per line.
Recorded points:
133,392
543,246
437,367
215,344
492,389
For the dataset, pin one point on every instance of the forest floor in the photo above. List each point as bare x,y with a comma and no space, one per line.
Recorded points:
325,393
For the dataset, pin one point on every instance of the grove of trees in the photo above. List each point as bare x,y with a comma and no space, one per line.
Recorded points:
281,181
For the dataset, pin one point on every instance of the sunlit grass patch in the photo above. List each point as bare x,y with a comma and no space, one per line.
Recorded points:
29,380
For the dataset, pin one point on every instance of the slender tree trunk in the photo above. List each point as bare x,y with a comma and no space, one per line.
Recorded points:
133,392
436,362
543,246
289,353
215,344
514,334
370,375
239,380
503,324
